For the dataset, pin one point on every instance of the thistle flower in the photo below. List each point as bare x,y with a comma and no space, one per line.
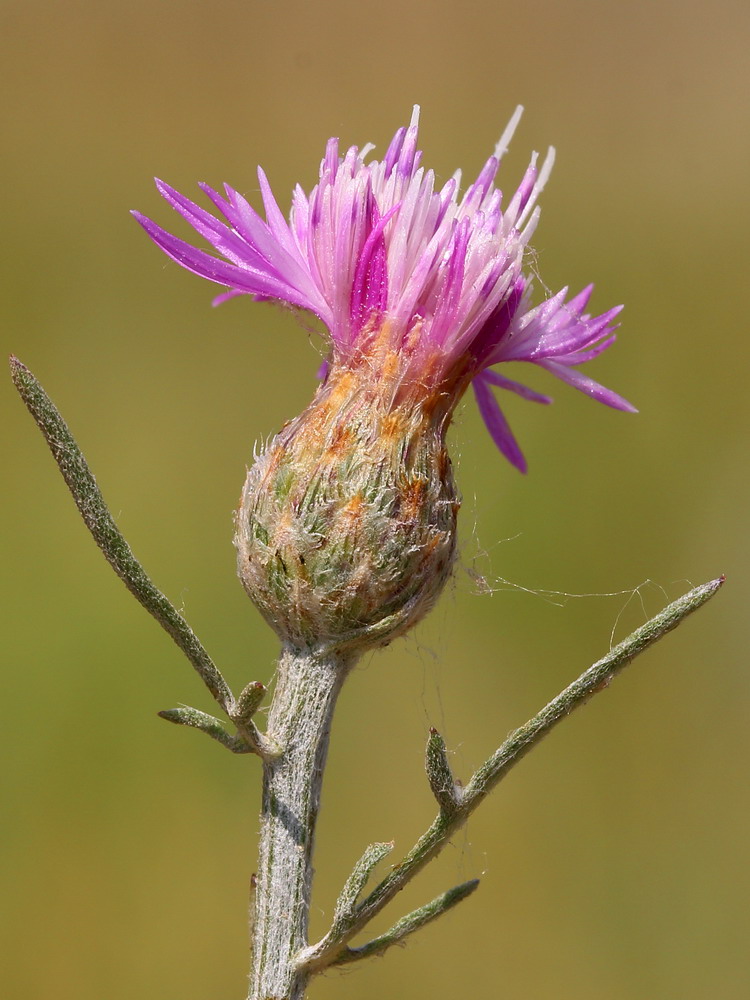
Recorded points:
346,530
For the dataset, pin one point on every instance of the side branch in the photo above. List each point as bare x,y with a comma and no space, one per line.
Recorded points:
333,948
317,956
101,524
593,680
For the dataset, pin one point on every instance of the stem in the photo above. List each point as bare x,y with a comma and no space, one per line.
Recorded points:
300,723
332,948
518,744
107,535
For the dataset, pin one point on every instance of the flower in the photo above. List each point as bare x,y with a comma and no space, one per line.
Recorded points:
395,268
346,530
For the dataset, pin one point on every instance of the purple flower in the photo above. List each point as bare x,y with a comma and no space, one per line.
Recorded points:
398,270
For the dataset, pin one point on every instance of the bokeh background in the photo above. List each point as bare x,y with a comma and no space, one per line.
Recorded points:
614,860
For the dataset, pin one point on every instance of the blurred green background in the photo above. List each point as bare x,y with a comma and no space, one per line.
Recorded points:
614,860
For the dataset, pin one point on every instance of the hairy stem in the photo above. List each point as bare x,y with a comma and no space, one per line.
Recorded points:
518,744
456,806
307,687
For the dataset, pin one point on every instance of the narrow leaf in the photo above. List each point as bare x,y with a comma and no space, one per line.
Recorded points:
409,924
439,773
248,702
107,535
207,724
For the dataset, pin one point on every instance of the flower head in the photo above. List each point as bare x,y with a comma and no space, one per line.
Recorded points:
426,286
346,531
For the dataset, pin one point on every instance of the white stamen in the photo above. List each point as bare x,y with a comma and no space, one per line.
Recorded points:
531,225
549,162
504,141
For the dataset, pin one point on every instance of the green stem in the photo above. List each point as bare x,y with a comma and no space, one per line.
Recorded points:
333,947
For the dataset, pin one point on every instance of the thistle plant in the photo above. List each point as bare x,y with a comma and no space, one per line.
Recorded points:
346,529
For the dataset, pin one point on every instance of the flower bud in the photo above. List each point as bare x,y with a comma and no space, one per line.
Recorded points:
346,532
